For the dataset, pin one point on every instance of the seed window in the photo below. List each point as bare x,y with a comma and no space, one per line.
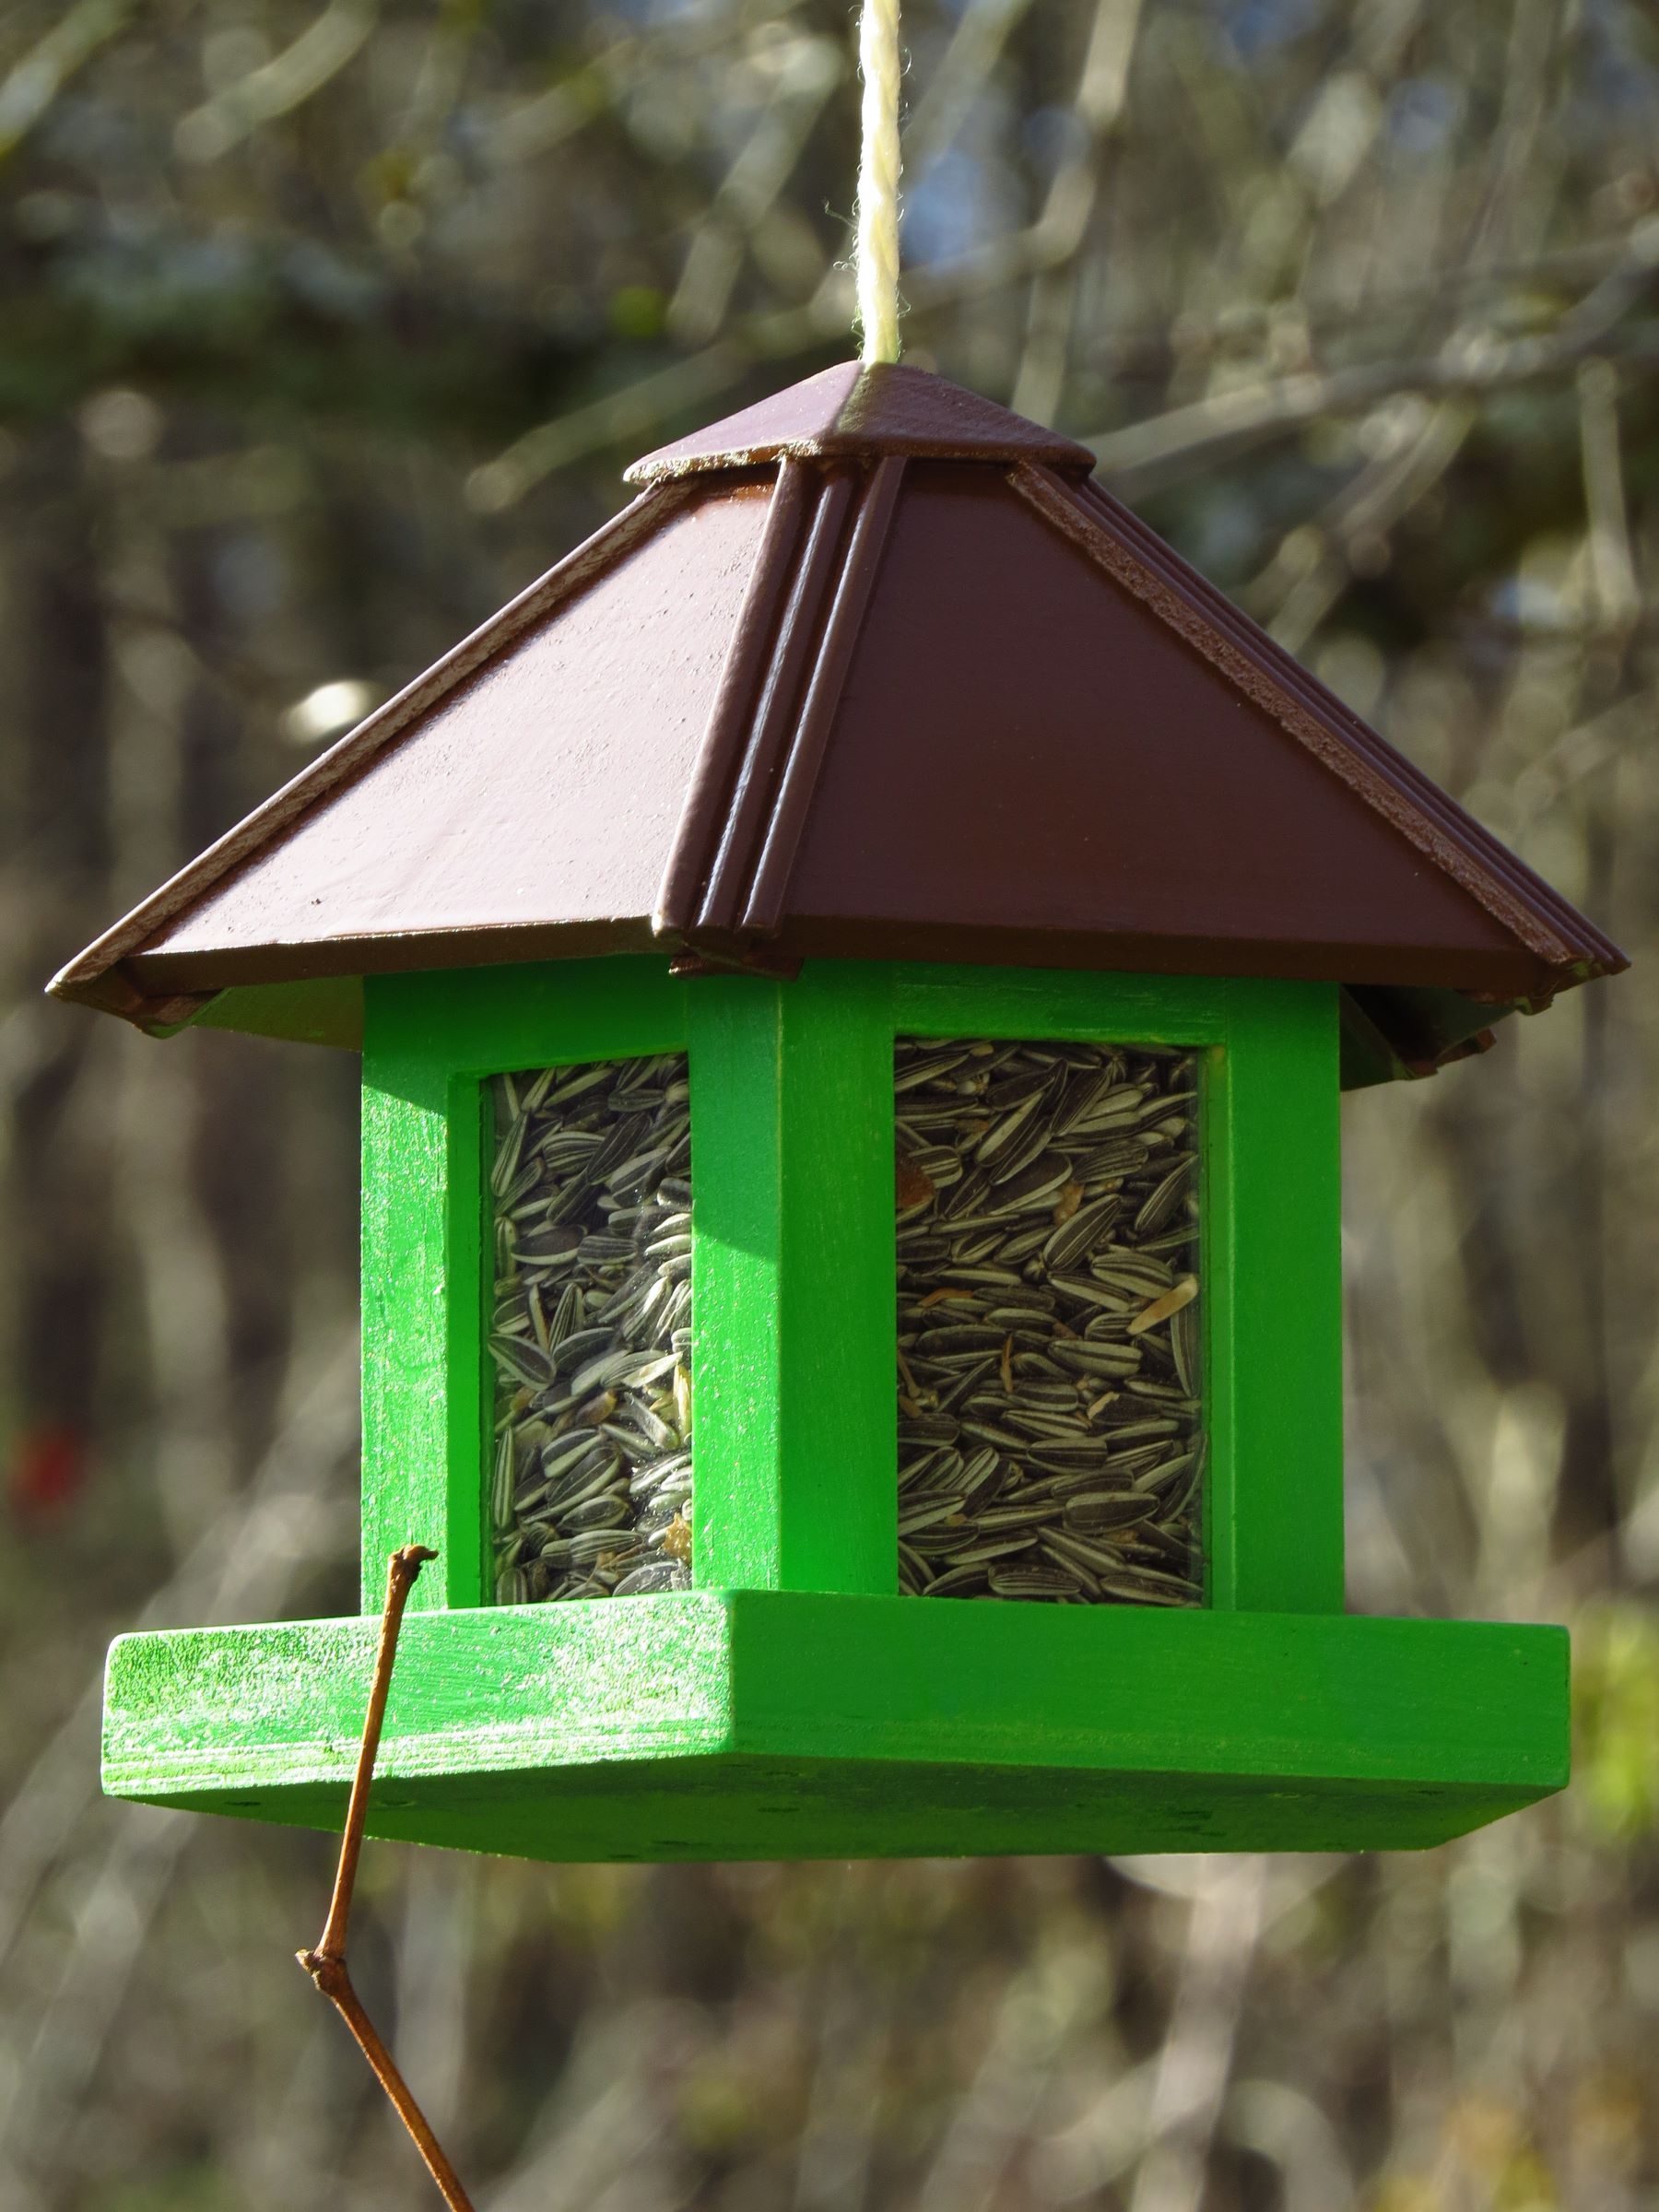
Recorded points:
1050,1420
590,1336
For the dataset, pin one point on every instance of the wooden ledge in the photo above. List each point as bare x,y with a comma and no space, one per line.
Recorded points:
746,1725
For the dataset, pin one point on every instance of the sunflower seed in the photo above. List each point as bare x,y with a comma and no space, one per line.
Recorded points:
500,1495
960,1582
1160,1309
526,1362
659,1575
1076,1235
1097,1513
970,1554
928,1515
1033,1582
1159,1207
1003,1135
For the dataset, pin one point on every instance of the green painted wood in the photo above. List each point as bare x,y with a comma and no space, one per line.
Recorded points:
326,1010
429,1040
1270,1253
792,1093
839,1306
792,1143
1275,1196
736,1259
1063,1003
731,1807
758,1724
790,1705
540,1014
422,1416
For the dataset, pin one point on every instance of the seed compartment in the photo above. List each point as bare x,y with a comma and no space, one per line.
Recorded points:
1051,1406
590,1338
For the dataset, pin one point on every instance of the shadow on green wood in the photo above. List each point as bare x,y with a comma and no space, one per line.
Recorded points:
775,1723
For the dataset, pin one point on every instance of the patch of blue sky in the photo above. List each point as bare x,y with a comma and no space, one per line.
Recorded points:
959,202
1051,135
1619,71
1422,113
1256,26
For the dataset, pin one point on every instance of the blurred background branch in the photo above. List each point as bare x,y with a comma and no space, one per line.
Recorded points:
328,327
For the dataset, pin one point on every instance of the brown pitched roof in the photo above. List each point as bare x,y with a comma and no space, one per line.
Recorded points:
869,671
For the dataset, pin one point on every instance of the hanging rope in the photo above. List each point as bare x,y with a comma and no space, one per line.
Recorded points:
878,65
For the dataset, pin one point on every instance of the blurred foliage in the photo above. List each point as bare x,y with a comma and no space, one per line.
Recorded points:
329,324
1615,1680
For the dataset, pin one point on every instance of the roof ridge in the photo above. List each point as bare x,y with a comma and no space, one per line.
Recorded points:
768,732
860,410
705,823
769,887
1372,769
775,709
360,745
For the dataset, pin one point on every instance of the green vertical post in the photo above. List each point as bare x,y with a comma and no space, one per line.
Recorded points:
1272,1278
423,1409
840,1318
737,1051
792,1156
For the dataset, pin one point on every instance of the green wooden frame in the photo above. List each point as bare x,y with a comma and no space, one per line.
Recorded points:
791,1703
792,1102
777,1723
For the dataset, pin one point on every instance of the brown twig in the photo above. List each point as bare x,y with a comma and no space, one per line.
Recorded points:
326,1965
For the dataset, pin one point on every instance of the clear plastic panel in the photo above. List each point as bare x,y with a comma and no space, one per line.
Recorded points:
591,1335
1051,1415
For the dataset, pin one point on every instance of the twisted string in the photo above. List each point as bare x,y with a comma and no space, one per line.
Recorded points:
877,258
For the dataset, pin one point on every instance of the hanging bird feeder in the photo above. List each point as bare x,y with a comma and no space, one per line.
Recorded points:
875,850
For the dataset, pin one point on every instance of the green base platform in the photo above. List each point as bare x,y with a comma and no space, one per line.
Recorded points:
760,1725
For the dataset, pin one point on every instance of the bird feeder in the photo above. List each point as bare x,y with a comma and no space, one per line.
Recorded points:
872,857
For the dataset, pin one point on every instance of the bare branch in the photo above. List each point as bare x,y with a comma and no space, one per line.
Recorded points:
1227,424
279,85
327,1964
28,91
